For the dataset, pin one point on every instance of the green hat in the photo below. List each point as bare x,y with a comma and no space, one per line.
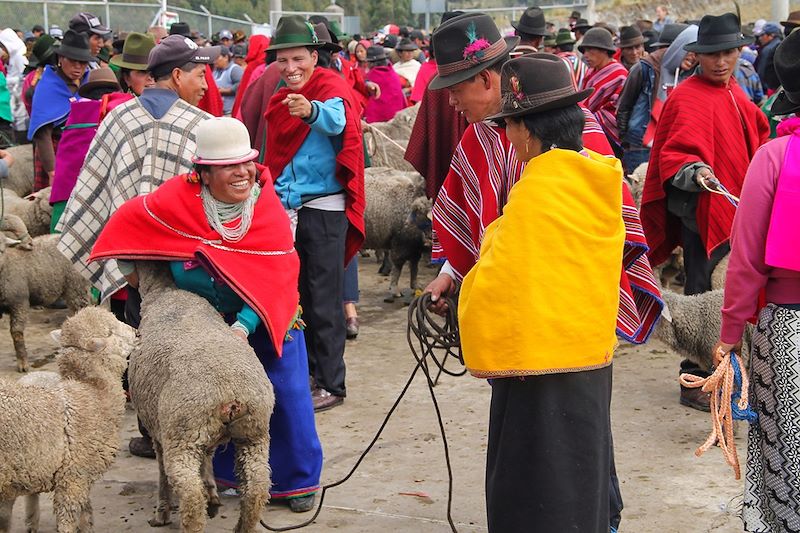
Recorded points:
550,39
337,31
42,51
135,51
292,32
564,36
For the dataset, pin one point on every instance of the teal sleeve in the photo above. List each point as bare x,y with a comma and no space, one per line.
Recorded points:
248,318
328,117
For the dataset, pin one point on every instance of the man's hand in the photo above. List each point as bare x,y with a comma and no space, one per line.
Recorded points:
703,176
298,105
722,349
374,89
7,157
440,288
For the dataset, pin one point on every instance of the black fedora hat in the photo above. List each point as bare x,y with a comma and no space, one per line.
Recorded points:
787,67
466,45
582,25
406,45
598,38
531,22
535,83
75,46
325,37
180,28
630,36
718,33
375,53
668,35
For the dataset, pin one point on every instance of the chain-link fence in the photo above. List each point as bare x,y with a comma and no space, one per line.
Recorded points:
24,14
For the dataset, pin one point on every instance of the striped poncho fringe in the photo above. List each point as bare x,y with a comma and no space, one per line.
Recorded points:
466,205
131,155
607,83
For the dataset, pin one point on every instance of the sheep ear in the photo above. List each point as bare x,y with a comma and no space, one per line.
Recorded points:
97,344
666,314
12,242
56,335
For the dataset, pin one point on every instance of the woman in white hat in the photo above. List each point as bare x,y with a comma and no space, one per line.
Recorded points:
230,241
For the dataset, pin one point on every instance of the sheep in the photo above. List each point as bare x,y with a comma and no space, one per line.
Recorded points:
60,433
40,276
636,183
15,228
691,326
397,219
195,386
34,210
387,141
719,272
20,174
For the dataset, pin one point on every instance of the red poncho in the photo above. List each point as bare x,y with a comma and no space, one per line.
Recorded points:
256,56
170,224
254,105
701,122
285,135
211,102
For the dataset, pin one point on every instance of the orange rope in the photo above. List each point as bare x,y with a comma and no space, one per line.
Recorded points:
720,385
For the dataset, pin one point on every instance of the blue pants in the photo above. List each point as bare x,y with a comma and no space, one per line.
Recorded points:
351,281
634,157
295,453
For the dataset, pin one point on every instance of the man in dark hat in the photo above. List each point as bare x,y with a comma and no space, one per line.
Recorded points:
631,45
768,40
574,17
709,130
791,23
92,27
316,158
637,99
531,30
407,67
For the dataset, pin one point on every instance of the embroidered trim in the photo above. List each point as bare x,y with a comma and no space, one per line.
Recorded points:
522,372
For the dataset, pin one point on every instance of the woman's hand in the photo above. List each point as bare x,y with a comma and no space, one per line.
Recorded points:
7,157
440,288
373,89
722,349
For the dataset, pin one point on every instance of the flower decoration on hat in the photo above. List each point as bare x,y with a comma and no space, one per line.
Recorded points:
476,48
516,88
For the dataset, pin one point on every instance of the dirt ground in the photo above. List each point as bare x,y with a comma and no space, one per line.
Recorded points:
402,484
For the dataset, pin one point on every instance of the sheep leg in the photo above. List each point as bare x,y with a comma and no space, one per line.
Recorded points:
397,269
252,470
163,513
19,316
86,523
211,488
6,506
183,468
32,513
386,264
70,502
413,268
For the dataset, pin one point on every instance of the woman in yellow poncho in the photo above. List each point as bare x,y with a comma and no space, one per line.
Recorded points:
549,267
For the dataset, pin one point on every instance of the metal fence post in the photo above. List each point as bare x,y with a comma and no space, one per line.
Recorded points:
210,22
44,13
108,15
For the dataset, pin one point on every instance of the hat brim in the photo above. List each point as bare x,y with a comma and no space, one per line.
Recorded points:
717,47
86,88
782,105
554,104
118,62
331,47
583,47
636,41
75,54
251,155
443,82
284,46
583,28
541,32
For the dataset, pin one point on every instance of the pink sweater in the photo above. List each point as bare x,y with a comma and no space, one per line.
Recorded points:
747,272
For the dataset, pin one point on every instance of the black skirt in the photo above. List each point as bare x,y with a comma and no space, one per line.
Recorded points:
549,457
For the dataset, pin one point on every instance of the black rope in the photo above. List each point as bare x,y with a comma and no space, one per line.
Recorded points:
431,336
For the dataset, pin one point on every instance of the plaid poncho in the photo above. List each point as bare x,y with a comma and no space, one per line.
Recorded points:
132,154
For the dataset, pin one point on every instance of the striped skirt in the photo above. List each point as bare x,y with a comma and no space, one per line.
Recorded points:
772,480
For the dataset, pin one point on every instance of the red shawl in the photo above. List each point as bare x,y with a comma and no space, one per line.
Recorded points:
434,138
147,227
701,122
254,105
211,102
256,56
483,170
286,134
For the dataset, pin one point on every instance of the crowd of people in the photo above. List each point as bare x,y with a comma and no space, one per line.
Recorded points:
240,161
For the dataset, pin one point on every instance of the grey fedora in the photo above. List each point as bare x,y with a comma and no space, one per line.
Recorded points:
598,38
668,35
535,83
531,22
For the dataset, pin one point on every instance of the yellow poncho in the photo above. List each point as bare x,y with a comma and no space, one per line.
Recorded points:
543,297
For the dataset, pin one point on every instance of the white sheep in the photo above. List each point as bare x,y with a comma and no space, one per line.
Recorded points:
40,276
397,220
195,386
20,174
34,210
60,433
14,228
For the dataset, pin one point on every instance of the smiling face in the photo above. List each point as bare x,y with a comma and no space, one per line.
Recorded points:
719,66
191,85
95,43
230,183
296,65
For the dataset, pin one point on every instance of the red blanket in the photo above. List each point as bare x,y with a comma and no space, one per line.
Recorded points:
256,56
285,135
701,122
211,102
170,224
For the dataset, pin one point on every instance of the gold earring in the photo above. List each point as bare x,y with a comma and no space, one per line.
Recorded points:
527,150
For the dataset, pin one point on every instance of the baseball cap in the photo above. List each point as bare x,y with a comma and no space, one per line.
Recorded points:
770,28
758,27
175,51
239,50
88,23
225,34
56,32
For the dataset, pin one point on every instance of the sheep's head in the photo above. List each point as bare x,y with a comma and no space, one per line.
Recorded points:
665,329
16,233
420,217
95,345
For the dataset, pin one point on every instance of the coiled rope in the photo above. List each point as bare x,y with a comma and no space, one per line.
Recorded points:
425,331
728,387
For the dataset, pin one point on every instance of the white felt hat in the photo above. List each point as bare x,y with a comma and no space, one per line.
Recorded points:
223,141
